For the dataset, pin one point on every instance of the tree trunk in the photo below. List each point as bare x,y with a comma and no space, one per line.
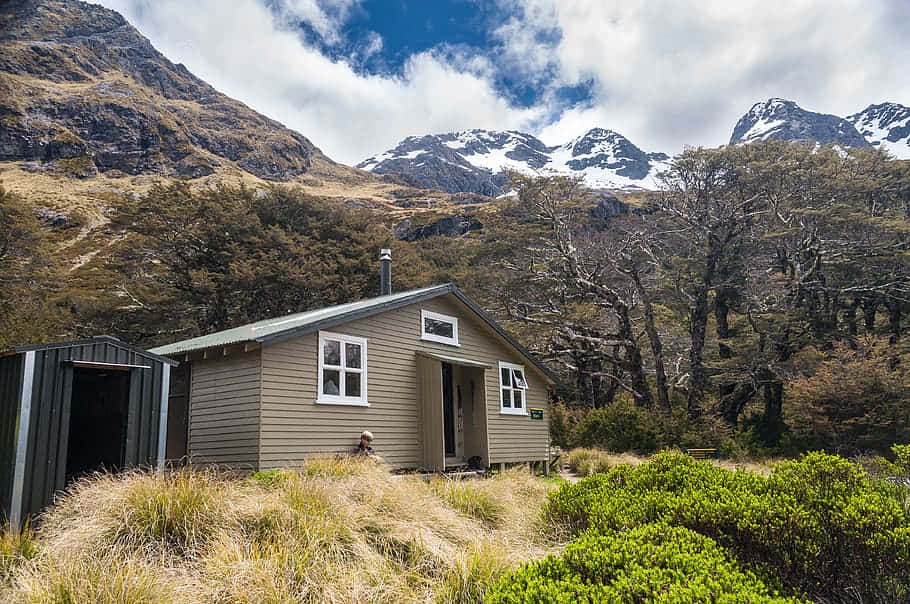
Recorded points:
634,364
850,317
736,399
894,321
870,306
774,402
721,312
660,372
698,320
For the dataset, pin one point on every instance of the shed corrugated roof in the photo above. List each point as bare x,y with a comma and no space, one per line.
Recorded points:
93,340
267,329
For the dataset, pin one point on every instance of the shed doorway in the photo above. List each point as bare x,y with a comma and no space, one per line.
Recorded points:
97,424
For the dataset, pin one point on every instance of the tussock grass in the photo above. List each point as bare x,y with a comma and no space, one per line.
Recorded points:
15,549
335,530
113,577
584,461
470,499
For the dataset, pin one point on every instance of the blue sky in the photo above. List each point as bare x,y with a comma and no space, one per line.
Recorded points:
357,76
408,27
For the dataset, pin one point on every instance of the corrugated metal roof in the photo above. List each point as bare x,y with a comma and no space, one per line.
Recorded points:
292,326
93,340
296,324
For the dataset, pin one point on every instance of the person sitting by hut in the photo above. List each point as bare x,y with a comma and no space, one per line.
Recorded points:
366,444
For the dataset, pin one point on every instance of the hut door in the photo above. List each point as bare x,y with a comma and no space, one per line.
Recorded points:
178,414
448,410
97,421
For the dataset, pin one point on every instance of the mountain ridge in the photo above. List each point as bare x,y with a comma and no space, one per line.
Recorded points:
475,160
782,119
885,125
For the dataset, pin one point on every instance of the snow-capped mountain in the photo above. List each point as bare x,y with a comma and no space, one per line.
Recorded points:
781,119
474,160
886,125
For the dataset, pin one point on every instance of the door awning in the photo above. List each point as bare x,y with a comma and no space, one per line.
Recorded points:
454,360
108,366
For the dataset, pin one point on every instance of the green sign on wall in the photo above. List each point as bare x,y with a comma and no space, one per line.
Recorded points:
536,413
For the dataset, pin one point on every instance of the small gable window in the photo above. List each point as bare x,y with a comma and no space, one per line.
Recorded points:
342,369
513,386
438,328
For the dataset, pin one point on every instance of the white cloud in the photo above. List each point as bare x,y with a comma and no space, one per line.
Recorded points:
324,17
249,53
669,72
665,73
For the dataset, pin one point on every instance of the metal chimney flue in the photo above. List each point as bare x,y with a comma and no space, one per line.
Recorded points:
385,272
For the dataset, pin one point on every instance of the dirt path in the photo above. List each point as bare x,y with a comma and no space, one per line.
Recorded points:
569,476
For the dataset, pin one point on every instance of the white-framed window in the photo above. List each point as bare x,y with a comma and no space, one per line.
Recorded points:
342,369
438,328
513,386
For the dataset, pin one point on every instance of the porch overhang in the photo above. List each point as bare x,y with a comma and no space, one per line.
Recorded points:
453,360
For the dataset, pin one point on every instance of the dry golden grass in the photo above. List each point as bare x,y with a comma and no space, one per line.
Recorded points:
332,531
584,462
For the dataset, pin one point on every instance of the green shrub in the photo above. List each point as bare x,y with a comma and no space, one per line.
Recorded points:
650,563
819,524
562,423
902,457
624,427
268,478
620,426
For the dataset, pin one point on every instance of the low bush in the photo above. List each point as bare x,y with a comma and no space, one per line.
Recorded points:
901,458
620,426
854,401
624,427
819,524
649,563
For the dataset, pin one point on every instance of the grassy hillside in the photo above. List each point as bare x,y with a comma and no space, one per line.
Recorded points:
337,531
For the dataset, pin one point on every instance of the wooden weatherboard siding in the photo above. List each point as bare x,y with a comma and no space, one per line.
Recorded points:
294,426
224,411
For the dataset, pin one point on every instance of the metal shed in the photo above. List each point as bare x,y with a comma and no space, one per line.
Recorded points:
70,408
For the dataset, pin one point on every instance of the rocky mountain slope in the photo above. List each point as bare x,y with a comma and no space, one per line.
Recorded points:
475,160
780,119
81,91
886,125
89,109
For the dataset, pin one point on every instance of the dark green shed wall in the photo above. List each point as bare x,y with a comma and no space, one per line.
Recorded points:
10,394
48,430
